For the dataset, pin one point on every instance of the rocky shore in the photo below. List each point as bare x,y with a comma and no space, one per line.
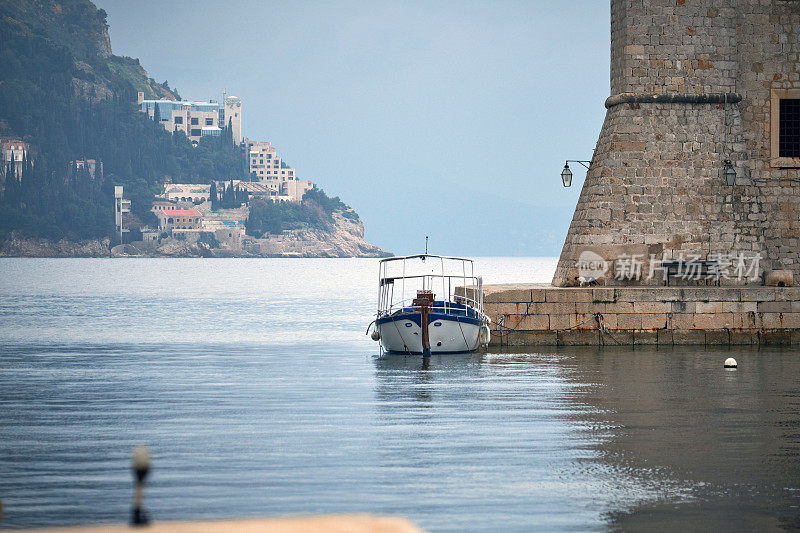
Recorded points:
346,239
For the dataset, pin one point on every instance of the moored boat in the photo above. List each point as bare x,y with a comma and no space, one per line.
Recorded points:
419,311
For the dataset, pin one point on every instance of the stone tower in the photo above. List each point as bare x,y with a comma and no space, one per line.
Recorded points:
695,83
233,115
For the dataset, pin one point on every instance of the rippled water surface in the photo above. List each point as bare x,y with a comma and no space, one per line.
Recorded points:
254,385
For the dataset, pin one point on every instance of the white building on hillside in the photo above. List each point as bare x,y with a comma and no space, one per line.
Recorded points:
196,119
187,192
274,174
13,150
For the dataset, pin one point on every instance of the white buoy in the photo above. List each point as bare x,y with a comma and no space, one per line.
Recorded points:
730,362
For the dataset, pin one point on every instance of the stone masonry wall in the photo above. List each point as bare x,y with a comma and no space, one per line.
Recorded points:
545,315
769,59
656,183
656,187
677,46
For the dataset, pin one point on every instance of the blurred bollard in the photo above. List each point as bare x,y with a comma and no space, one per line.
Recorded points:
140,464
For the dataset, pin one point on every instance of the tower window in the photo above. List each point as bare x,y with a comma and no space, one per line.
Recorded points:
785,128
789,128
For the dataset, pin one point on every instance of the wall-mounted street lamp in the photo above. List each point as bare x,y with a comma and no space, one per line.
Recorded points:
566,174
730,173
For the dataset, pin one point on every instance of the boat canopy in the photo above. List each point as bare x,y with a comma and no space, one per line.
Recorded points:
424,256
400,278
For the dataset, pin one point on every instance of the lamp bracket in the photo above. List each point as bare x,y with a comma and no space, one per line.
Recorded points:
584,163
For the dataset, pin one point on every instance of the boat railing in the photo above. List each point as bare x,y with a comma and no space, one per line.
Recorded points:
448,306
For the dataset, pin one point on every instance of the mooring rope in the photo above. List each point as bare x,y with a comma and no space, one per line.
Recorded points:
405,346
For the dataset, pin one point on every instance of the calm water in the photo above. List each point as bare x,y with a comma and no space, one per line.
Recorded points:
259,394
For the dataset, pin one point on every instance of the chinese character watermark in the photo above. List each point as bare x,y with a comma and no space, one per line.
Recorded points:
741,266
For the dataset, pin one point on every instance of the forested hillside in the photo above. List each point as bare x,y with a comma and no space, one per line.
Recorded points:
64,93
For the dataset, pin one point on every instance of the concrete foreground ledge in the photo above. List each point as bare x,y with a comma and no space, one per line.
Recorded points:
323,524
544,315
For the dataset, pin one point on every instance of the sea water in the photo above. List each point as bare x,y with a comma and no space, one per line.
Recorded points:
254,385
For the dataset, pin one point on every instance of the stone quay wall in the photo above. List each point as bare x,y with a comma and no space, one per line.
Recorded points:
534,314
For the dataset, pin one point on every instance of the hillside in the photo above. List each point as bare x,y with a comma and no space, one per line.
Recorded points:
68,97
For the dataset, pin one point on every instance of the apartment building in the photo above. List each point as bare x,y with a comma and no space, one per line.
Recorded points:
196,119
187,192
276,175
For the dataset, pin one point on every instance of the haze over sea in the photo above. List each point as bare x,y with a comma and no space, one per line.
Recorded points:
259,394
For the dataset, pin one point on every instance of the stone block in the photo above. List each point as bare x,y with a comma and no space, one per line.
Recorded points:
718,338
770,320
645,337
652,307
757,294
588,307
710,294
610,321
512,295
582,321
578,338
775,307
708,307
713,321
653,321
603,295
665,337
739,307
791,320
682,321
628,146
557,308
779,320
527,338
781,337
506,308
531,322
619,307
629,321
791,294
538,295
648,294
743,337
683,307
618,338
689,337
745,321
559,322
569,294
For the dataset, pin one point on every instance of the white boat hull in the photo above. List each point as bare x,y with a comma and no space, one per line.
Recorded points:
446,336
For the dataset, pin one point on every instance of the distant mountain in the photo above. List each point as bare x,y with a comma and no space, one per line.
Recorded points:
81,28
65,94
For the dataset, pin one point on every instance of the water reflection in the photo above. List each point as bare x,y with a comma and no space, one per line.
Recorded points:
717,448
642,439
401,377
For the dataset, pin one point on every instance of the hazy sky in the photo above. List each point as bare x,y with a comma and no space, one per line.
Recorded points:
448,119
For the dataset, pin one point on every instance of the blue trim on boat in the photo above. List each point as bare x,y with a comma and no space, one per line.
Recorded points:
416,317
403,352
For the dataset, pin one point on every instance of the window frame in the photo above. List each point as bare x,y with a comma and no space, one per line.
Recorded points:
775,97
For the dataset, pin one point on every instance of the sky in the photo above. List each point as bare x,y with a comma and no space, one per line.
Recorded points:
450,119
